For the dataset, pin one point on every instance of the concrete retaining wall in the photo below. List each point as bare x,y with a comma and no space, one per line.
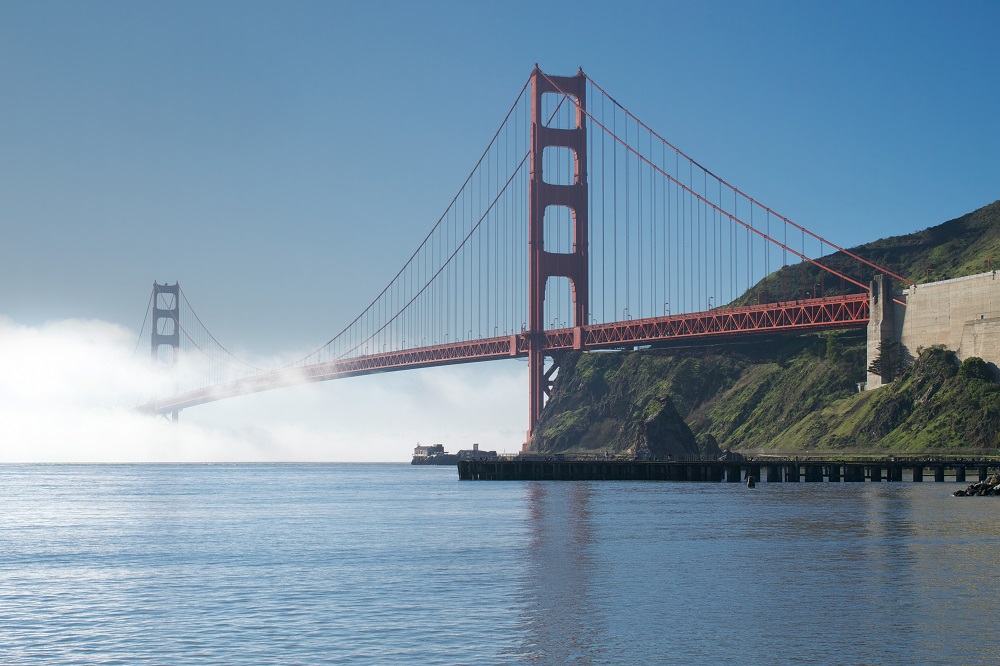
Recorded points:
962,314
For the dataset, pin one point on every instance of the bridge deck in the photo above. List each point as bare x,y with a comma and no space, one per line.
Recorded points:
786,317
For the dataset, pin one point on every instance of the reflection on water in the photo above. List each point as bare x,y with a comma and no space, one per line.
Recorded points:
560,619
844,573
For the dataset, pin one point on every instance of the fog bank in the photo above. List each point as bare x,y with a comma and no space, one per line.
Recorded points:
68,389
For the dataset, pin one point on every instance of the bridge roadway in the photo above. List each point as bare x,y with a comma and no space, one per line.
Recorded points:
785,317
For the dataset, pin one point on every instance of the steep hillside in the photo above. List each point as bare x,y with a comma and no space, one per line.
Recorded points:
788,396
963,246
789,393
729,396
938,406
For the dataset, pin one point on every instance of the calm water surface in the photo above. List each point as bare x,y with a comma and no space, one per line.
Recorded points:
384,564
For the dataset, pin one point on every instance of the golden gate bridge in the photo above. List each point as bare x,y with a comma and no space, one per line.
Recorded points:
578,228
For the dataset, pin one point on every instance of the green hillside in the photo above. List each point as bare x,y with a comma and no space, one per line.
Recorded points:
963,246
938,406
792,394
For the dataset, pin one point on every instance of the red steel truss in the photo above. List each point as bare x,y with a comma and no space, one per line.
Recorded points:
793,316
804,315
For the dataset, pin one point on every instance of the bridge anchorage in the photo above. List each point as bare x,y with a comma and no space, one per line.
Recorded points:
579,228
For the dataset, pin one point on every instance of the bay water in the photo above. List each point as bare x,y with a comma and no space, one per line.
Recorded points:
393,564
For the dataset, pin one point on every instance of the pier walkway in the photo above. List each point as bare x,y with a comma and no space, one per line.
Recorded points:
521,468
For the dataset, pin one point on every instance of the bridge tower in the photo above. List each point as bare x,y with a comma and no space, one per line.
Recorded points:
543,264
166,308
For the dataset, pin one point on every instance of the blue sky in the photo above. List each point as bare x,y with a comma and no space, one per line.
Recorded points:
282,159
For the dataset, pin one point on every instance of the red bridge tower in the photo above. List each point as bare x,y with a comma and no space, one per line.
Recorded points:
541,194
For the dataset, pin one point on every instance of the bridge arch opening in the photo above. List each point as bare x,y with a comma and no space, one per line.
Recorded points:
559,165
559,299
165,355
560,234
559,111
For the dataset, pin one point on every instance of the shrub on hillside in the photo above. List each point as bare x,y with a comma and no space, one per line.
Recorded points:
975,368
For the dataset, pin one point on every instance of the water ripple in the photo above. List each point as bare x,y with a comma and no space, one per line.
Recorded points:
375,564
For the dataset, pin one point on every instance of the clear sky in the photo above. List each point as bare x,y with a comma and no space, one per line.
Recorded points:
282,159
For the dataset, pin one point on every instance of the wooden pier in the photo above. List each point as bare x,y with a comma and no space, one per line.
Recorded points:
770,470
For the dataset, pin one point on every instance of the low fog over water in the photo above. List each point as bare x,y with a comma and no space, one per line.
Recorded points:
68,389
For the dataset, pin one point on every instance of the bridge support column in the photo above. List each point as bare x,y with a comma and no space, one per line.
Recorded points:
543,264
881,327
166,331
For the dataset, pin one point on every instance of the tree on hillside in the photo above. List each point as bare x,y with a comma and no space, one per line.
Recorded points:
888,362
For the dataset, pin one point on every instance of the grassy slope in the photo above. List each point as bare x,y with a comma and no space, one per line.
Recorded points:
740,395
792,394
955,248
932,408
